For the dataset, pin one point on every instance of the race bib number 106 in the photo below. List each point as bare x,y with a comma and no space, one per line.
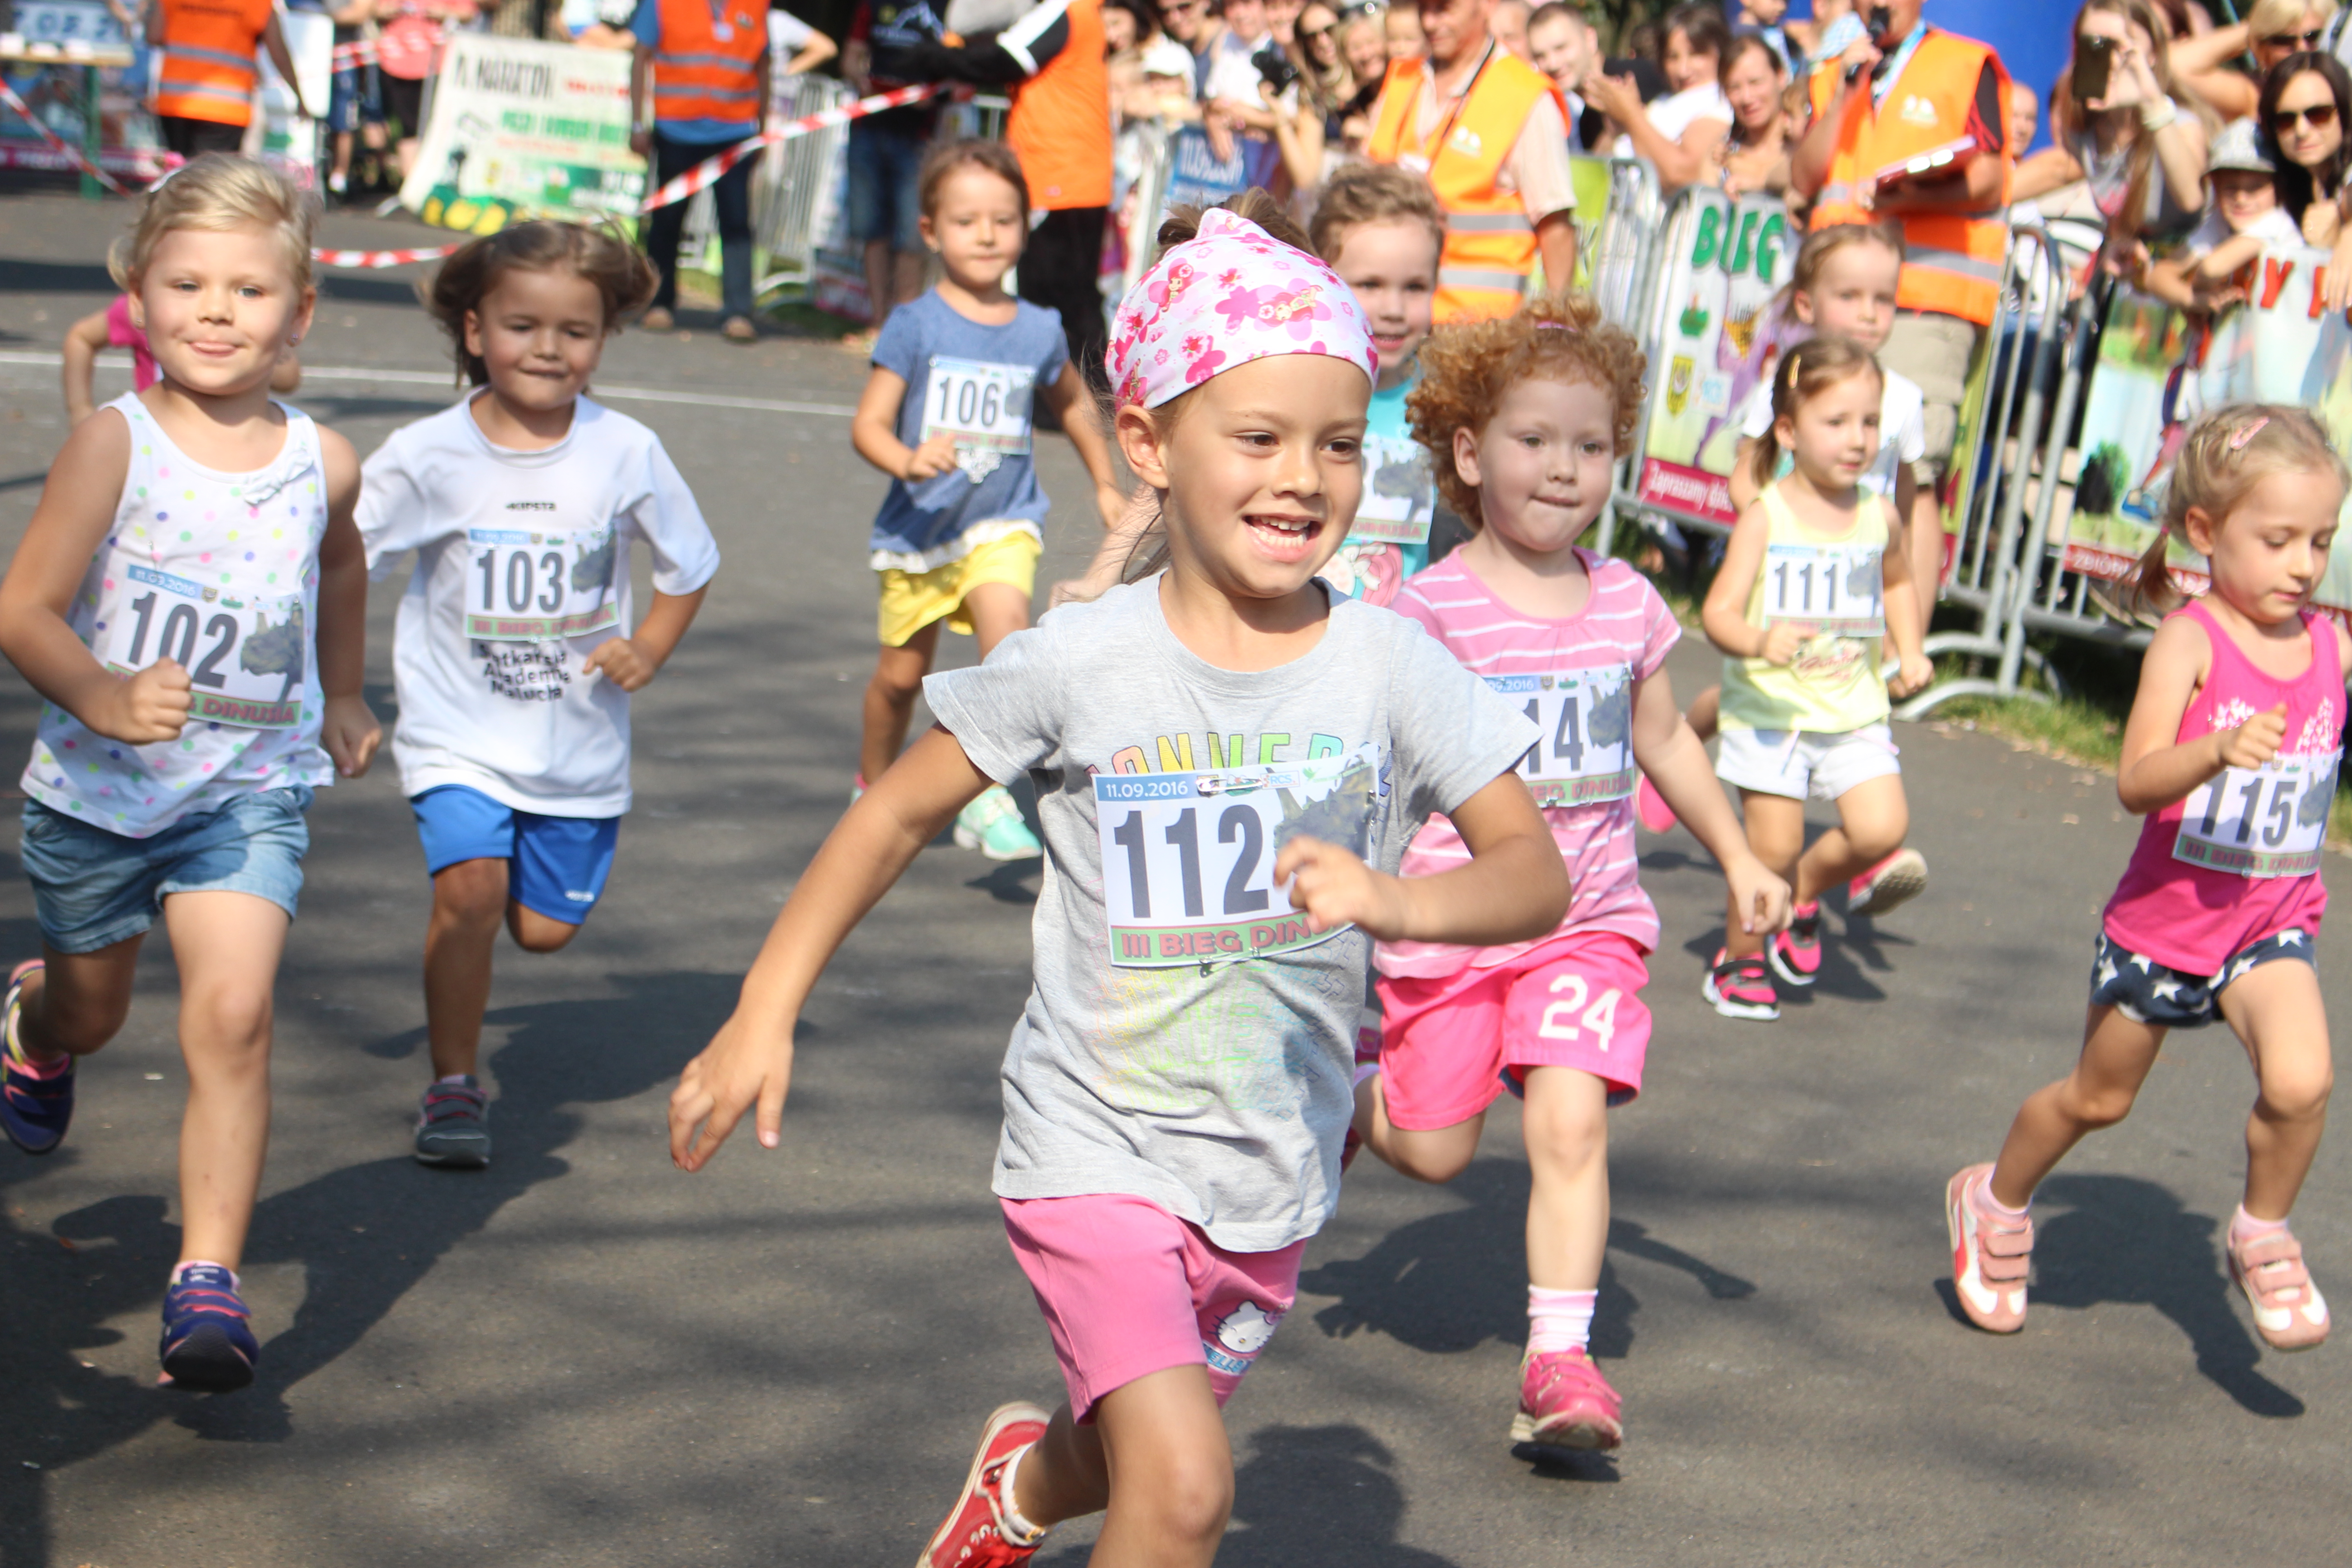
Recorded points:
246,656
2269,821
1585,753
1188,858
982,406
1838,589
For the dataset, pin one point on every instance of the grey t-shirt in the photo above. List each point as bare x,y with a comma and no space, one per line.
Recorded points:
1220,1090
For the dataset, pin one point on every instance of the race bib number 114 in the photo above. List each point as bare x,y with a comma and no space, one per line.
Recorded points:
1188,858
1585,753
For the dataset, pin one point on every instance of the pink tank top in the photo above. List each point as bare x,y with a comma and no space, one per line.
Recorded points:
2239,860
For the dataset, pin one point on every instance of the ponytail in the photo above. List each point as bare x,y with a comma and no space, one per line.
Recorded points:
1807,371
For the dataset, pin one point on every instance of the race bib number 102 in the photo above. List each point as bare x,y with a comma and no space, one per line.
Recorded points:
1188,858
2269,821
246,656
1585,753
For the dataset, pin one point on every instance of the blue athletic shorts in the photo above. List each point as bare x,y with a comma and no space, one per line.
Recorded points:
2146,991
555,865
92,889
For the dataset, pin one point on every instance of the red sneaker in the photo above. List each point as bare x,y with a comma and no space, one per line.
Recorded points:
1990,1253
1565,1402
975,1534
1741,987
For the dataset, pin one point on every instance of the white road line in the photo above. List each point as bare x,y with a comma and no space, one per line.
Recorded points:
441,379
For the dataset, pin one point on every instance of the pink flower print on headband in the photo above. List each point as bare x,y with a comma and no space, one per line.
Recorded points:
1293,310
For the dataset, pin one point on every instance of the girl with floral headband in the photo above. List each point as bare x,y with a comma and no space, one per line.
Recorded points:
2231,754
1228,760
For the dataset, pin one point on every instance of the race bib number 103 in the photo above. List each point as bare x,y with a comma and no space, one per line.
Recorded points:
2269,821
246,656
1188,858
1585,753
539,587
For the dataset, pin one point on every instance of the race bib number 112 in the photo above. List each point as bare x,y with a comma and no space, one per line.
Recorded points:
1188,858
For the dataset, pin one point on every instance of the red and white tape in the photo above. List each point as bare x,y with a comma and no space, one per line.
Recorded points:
72,153
384,257
419,50
705,175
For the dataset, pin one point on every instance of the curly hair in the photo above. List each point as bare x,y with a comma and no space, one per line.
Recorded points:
622,277
1465,371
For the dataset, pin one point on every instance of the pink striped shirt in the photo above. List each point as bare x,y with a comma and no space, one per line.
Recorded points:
1625,624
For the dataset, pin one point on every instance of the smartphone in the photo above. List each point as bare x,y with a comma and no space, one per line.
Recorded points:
2093,58
1274,68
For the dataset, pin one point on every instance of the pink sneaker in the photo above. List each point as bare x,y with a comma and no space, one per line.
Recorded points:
1895,880
1652,808
1741,987
2289,1313
1565,1402
1796,954
1990,1253
975,1534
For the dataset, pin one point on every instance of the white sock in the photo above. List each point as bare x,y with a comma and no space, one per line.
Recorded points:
1999,1207
1017,1529
1560,1320
451,1077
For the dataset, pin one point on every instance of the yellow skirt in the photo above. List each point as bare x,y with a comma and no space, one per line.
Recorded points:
913,600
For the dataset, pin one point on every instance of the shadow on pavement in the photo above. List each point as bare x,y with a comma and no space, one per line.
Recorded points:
363,1235
2128,1242
1435,1284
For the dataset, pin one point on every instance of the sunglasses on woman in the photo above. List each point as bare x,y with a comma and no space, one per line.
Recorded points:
2310,40
2319,117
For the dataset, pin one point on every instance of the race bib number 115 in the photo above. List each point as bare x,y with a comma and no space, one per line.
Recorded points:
1188,858
2269,821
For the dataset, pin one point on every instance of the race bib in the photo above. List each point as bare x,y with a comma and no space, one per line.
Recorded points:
1839,589
1188,858
1400,495
2269,821
1585,753
540,587
245,655
982,407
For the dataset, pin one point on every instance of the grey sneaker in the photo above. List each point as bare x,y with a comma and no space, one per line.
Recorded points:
453,1126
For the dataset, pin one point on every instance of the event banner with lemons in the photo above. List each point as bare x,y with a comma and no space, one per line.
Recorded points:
1719,340
519,129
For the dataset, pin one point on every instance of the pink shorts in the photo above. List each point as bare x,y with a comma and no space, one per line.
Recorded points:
1129,1289
1450,1044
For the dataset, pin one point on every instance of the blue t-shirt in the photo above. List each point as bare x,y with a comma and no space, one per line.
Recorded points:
978,383
1390,539
647,25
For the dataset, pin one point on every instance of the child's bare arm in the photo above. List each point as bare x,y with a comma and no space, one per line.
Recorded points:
1903,618
631,661
1674,759
1514,888
1067,398
1744,486
84,339
2155,770
1724,617
347,726
76,506
2226,257
750,1061
873,431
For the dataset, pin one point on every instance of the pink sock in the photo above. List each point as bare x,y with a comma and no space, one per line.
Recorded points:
34,1066
2244,1227
1984,1191
1560,1320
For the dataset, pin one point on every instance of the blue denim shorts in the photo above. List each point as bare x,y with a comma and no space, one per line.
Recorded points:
352,97
884,200
555,865
92,889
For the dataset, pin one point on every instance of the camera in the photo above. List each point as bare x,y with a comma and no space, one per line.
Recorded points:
1274,68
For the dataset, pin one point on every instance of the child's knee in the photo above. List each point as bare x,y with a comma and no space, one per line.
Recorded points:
79,1023
2100,1106
473,893
1191,1498
898,682
536,932
2300,1092
1566,1134
233,1015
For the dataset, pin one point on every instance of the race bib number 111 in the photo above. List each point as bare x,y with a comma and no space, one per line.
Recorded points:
1838,589
1188,858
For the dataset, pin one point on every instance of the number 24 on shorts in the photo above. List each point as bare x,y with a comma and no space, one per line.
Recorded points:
1600,1017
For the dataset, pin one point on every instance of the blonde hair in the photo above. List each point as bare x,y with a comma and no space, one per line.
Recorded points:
2267,19
2228,453
1359,194
1465,371
217,192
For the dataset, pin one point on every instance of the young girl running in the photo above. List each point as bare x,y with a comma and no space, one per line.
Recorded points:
1809,587
514,654
1229,759
1843,287
191,599
1531,413
2231,754
946,414
1380,228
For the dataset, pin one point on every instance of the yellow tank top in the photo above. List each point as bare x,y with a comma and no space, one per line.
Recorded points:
1836,583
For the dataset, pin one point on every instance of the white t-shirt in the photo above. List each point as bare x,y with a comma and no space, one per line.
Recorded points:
1231,74
786,33
2275,228
1902,430
1675,114
522,570
1164,56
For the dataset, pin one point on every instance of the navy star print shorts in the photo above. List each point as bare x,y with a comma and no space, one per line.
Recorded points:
2148,992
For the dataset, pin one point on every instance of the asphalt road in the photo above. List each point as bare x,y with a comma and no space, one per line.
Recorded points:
581,1356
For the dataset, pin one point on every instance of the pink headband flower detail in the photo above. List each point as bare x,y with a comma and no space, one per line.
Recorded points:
1231,294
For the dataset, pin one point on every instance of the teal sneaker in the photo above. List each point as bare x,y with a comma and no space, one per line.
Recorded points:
992,826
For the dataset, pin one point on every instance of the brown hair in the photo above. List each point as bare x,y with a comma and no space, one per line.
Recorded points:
1465,371
622,277
1359,194
216,193
1807,371
970,153
2069,118
1824,242
2228,453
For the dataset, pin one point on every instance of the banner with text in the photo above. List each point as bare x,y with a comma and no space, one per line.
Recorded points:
519,129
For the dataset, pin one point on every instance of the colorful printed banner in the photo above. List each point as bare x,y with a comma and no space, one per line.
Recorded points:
522,129
1716,351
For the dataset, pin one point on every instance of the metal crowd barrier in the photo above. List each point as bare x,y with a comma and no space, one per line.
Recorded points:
792,191
1621,258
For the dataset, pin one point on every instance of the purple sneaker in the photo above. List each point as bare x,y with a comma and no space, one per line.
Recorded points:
35,1103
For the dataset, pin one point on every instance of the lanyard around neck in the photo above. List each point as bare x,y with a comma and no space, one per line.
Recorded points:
1431,149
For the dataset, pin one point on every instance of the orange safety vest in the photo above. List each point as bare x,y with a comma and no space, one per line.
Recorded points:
1490,241
1060,123
1953,260
208,71
707,65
